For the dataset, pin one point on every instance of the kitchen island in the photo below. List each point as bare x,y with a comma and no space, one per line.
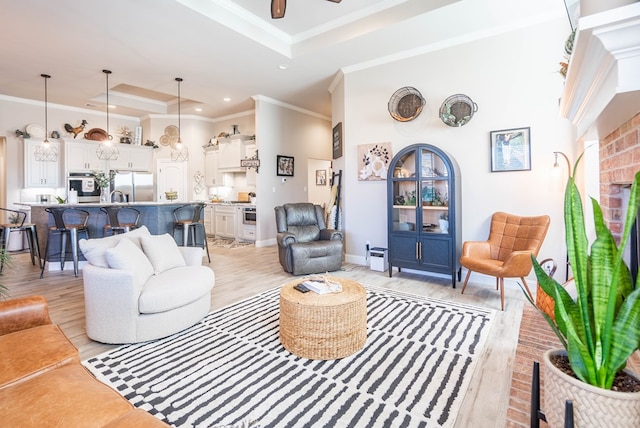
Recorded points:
156,216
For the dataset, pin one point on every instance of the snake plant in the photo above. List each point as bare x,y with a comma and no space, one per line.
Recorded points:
601,328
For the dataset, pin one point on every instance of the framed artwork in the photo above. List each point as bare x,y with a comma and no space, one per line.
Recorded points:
511,150
373,161
321,177
284,166
337,140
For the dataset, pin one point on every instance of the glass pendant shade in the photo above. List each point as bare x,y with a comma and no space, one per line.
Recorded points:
106,149
45,151
180,152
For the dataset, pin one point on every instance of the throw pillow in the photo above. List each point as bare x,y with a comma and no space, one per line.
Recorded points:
162,251
127,256
94,249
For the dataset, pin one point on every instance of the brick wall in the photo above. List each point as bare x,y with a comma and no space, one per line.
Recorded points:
619,162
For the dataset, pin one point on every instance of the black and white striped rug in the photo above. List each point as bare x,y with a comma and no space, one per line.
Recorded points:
413,371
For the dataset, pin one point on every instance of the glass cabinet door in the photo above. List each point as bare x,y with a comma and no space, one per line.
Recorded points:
405,194
434,193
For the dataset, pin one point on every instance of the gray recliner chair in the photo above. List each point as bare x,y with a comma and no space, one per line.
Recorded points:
305,245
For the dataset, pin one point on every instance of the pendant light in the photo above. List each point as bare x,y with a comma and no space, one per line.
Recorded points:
45,151
106,149
180,152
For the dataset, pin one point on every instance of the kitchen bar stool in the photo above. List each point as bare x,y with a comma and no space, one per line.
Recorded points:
120,219
188,218
17,224
68,222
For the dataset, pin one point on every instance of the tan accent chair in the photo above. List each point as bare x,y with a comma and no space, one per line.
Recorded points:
507,252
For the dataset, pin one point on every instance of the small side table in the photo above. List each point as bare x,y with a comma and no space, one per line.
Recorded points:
323,326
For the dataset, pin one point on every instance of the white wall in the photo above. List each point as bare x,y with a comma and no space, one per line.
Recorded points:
284,130
513,78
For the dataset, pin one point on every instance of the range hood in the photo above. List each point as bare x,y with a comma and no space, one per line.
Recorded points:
602,89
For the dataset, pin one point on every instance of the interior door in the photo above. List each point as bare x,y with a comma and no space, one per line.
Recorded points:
171,176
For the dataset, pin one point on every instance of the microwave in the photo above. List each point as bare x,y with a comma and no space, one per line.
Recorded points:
85,185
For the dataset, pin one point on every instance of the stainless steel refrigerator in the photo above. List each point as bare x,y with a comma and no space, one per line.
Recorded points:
137,186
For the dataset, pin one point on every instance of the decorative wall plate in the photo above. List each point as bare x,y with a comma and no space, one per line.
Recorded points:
406,104
457,110
36,131
171,131
96,134
164,140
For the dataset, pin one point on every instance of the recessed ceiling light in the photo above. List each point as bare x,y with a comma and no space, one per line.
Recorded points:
283,66
227,99
198,109
112,106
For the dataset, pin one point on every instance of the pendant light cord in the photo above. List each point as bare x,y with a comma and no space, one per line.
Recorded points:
179,79
46,121
107,73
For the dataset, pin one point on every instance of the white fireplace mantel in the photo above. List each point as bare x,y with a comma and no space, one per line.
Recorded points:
602,89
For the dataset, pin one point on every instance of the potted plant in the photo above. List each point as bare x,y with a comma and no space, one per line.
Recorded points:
444,222
600,329
252,195
103,181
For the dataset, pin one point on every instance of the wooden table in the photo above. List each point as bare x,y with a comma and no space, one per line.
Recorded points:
323,326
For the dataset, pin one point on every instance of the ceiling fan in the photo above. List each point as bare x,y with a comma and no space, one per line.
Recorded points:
278,7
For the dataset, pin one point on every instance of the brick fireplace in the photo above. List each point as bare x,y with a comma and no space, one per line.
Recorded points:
619,162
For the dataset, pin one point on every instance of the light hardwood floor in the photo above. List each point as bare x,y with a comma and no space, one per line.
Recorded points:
243,272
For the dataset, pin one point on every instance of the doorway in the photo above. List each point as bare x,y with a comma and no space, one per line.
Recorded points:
319,190
171,177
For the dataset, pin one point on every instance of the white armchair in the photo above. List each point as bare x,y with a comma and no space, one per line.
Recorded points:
141,287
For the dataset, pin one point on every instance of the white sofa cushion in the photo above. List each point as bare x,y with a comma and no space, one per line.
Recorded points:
127,256
94,249
162,251
174,288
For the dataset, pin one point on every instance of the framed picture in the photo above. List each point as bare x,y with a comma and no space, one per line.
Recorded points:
284,166
321,177
511,150
373,161
337,140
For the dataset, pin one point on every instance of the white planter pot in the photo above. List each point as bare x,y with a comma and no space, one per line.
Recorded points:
444,226
16,242
592,406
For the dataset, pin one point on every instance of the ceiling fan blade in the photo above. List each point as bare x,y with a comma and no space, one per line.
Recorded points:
277,8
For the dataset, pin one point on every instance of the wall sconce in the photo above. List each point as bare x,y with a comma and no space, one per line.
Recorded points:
556,165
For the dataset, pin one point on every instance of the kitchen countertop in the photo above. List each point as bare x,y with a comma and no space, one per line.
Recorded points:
98,204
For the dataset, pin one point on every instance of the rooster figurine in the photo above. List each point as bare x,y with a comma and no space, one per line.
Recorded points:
78,129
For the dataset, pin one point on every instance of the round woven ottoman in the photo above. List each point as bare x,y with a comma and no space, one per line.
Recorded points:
323,326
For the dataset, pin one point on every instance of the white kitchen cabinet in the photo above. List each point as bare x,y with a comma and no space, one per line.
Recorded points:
225,221
81,156
39,173
231,151
210,219
134,158
213,175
